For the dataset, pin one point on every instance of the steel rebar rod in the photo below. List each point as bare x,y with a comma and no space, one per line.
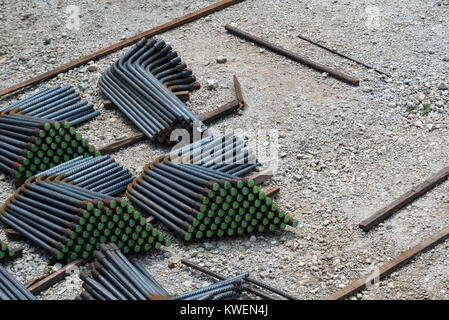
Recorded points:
293,56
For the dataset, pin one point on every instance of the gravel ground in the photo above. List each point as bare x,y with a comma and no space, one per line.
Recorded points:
343,151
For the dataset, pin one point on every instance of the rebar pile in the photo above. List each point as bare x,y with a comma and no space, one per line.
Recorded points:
11,288
61,104
69,221
99,174
133,84
224,290
224,153
194,201
6,251
30,145
113,277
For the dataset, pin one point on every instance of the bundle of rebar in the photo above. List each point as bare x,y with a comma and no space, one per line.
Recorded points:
6,251
69,221
194,201
30,145
11,288
224,290
99,174
224,153
134,83
113,277
61,104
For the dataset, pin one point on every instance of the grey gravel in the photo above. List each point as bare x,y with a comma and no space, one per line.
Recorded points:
211,84
356,148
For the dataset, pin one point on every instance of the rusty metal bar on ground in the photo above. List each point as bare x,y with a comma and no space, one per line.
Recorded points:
293,56
343,55
220,277
115,47
222,111
390,266
405,199
55,277
238,92
248,279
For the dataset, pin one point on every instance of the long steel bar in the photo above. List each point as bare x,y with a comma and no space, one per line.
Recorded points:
115,47
343,55
293,56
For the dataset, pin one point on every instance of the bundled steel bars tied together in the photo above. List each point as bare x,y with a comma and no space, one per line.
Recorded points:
69,221
224,290
30,145
99,174
61,104
133,84
11,288
195,201
6,251
224,153
113,277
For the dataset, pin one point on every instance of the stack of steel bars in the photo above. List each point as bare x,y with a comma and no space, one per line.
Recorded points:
62,104
224,153
132,84
11,289
99,174
192,200
29,145
225,290
69,221
113,277
6,251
